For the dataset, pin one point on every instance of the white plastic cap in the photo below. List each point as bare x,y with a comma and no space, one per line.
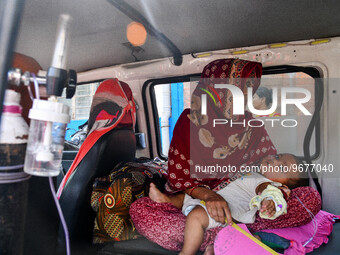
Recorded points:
49,111
12,97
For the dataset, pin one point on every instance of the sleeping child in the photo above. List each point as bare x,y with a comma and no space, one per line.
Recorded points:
266,192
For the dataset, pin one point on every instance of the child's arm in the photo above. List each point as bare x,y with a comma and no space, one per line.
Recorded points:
261,188
267,206
270,200
217,207
284,189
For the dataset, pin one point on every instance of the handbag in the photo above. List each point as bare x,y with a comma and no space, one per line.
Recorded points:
112,196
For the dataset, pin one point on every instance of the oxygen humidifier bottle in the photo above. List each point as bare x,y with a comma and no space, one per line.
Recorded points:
13,180
46,137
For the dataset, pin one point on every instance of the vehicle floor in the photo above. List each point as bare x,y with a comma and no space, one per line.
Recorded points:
144,247
140,246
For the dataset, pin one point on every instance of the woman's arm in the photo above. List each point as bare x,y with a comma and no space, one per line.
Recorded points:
217,207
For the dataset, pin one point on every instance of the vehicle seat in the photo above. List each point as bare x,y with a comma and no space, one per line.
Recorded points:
115,146
118,145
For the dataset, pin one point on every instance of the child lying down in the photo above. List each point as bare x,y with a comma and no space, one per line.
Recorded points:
245,196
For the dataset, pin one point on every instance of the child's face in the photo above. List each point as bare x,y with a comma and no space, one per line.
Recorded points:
279,168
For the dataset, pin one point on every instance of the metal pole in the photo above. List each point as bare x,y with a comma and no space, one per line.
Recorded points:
13,195
10,16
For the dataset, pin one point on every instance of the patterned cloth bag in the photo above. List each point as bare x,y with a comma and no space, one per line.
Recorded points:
112,196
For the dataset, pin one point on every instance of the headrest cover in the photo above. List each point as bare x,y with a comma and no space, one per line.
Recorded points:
112,105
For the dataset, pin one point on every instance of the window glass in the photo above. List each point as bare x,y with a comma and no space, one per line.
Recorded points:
83,101
290,139
171,100
80,106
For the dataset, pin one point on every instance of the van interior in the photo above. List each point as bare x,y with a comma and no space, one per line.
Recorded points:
294,40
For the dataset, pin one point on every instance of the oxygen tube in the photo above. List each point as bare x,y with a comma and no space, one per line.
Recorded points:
49,119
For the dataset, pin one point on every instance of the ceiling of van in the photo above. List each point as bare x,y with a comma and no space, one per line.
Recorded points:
98,30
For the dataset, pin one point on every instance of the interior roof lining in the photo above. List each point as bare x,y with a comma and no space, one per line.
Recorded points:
192,25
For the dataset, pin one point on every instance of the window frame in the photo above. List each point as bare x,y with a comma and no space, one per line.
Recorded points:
151,83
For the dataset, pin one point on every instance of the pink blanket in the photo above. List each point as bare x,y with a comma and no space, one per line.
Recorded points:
304,234
304,239
232,242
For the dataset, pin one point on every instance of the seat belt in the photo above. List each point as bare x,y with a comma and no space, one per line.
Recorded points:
319,93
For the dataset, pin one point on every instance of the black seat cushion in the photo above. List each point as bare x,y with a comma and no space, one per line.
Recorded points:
42,219
140,246
116,146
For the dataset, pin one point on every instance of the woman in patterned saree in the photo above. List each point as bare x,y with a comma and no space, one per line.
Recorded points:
197,141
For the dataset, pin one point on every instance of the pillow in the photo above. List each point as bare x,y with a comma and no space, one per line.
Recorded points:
303,239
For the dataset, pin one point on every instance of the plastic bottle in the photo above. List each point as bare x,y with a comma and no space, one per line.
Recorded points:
13,180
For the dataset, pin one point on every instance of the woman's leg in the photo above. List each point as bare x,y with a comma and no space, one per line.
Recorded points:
164,224
159,197
161,223
197,222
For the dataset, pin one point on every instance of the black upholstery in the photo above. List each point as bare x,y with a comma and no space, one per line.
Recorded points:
42,220
115,146
138,246
141,246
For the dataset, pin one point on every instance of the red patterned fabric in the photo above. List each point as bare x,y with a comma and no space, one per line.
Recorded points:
296,215
164,224
112,105
196,142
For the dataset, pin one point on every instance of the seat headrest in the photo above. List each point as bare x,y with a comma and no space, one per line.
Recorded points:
112,107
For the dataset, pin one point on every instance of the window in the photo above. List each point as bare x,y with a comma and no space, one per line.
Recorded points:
171,98
80,106
290,139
